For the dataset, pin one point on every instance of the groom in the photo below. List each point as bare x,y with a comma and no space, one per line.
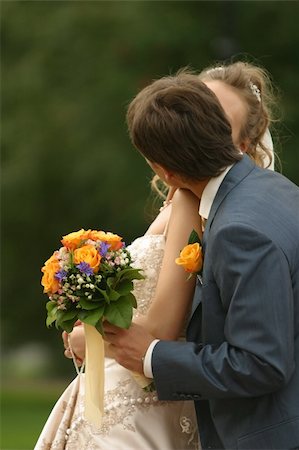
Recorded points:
240,363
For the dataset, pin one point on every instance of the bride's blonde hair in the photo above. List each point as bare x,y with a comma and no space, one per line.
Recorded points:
255,88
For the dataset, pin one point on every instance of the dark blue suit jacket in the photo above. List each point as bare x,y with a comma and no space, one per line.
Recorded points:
241,362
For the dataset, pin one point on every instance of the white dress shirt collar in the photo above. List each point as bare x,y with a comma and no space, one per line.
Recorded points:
209,193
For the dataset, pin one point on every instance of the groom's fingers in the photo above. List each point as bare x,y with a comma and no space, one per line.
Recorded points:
111,329
113,337
126,359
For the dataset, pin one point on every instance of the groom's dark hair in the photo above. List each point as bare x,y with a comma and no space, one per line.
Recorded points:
178,122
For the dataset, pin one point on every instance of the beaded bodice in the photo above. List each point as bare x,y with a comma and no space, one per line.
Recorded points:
147,253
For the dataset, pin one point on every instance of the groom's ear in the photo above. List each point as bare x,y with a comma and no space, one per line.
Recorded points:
244,145
166,175
171,178
160,171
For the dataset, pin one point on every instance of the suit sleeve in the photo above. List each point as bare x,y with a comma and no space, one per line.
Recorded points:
256,355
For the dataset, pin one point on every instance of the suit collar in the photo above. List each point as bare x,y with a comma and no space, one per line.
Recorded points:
232,177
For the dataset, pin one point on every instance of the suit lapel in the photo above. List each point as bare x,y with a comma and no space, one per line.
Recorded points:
236,174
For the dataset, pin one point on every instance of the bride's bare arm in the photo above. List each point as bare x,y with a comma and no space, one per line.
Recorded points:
173,297
159,223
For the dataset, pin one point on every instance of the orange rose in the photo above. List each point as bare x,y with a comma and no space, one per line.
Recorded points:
49,282
113,239
74,239
88,254
191,258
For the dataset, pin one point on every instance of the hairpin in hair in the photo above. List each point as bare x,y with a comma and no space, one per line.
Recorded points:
215,69
255,90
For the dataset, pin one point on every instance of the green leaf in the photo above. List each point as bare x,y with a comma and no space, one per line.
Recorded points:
132,299
52,312
111,282
113,295
99,327
66,319
91,318
63,315
104,294
88,304
124,287
129,274
50,306
120,313
150,387
50,320
193,238
68,325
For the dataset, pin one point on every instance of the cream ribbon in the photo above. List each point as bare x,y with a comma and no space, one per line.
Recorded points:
94,375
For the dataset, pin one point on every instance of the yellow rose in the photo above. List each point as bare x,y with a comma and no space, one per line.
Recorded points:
73,240
88,254
49,282
191,258
113,239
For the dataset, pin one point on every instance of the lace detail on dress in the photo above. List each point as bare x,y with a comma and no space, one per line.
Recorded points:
147,252
189,427
120,406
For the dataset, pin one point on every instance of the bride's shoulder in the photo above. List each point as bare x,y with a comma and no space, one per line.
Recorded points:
159,225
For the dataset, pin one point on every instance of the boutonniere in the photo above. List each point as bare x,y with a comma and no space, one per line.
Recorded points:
191,257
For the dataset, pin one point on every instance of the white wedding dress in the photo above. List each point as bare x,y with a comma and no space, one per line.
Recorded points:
133,419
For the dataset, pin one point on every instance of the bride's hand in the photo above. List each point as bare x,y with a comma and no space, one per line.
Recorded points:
75,342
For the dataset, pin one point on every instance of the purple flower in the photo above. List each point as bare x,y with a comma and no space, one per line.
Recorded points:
85,268
104,246
61,275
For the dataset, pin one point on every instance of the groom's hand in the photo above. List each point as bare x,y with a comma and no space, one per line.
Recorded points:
128,346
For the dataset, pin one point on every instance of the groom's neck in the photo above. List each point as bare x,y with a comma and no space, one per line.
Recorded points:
197,187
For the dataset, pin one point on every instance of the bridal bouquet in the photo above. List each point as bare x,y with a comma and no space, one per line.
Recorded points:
90,278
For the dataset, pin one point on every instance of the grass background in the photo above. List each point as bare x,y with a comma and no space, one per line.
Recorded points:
25,406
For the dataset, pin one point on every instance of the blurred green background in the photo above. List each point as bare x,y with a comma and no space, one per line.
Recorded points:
68,71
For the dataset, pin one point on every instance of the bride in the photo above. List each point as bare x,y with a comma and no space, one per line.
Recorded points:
134,418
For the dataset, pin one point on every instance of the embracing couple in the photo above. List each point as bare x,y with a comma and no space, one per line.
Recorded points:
239,358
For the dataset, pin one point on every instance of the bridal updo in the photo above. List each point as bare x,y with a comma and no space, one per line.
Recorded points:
254,86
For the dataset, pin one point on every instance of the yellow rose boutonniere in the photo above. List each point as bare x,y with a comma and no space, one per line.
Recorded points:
191,257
